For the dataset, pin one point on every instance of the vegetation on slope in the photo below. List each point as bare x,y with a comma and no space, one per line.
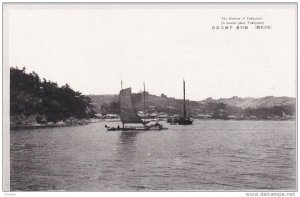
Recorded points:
262,108
44,101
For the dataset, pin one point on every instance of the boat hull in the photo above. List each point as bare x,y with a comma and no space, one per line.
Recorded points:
181,121
185,121
144,128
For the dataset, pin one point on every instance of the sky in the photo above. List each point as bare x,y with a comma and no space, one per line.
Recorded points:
92,47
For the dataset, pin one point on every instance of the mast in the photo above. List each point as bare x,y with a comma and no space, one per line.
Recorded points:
184,110
120,102
144,101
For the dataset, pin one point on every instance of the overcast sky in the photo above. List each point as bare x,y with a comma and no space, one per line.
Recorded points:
93,47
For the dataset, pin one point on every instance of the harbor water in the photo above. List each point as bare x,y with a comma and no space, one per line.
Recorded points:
208,155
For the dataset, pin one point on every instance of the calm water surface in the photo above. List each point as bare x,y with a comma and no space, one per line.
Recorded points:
209,155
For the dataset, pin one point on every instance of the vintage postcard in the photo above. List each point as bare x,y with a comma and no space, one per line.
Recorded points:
150,97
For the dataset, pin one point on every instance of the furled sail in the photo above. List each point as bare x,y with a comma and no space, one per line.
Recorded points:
127,111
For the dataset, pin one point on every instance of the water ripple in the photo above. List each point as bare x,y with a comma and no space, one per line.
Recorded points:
209,155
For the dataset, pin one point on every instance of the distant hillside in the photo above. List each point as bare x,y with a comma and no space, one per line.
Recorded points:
100,100
161,103
261,107
249,102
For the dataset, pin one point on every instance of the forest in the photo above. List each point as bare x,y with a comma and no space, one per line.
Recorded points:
44,100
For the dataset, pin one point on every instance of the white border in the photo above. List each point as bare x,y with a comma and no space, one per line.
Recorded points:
5,102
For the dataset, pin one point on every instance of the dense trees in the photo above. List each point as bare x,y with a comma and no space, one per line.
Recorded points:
110,108
29,95
264,113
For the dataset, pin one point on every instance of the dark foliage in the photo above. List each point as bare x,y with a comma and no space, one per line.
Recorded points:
29,95
264,113
110,108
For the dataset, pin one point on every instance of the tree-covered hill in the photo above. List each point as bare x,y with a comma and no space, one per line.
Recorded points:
250,102
44,101
262,108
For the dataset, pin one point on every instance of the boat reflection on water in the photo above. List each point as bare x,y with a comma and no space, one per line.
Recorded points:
126,145
128,137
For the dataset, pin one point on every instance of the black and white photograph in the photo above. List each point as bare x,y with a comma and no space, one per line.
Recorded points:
149,97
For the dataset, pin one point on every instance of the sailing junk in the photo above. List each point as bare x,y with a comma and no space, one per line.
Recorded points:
129,115
127,111
184,119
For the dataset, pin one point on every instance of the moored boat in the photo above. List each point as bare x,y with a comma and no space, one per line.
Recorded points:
184,119
128,115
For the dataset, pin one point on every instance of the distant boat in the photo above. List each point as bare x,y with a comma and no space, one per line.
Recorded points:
183,119
129,115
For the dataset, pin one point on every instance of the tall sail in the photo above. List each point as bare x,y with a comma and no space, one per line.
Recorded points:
127,111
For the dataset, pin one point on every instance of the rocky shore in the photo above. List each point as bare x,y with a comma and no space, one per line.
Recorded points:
32,122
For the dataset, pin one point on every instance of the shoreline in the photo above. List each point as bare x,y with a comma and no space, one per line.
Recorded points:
90,121
53,125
